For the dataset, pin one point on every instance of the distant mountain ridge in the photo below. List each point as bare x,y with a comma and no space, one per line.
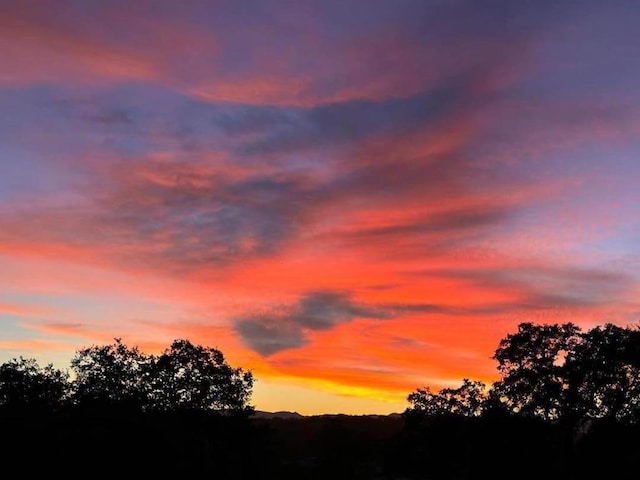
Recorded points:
297,416
280,414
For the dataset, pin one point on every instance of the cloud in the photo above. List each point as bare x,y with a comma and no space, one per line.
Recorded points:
278,53
451,221
268,335
81,330
295,130
315,165
548,286
272,332
176,214
187,215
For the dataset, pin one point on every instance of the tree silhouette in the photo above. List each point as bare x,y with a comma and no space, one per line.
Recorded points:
559,372
603,372
566,405
110,375
466,400
532,364
193,377
24,384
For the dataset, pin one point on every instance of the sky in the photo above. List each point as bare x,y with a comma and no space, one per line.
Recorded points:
350,198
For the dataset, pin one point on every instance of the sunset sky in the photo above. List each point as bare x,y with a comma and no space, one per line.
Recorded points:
352,199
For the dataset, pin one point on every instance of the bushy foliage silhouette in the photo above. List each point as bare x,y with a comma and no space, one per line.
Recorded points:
110,375
467,400
554,372
185,411
193,377
532,365
24,384
567,404
184,377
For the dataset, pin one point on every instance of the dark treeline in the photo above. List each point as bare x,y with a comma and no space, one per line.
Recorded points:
566,405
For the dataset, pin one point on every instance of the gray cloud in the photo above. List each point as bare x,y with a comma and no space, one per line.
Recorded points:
316,311
295,130
323,310
190,217
269,335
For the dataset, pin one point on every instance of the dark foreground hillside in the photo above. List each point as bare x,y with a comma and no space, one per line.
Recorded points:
97,444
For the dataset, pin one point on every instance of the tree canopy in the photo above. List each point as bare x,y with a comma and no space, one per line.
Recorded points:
24,384
184,377
188,377
466,400
556,372
112,374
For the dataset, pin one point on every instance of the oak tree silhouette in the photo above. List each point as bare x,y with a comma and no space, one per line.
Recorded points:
466,400
184,377
24,384
192,377
110,375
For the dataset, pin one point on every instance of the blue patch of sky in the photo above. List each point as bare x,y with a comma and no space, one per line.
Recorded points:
12,328
25,176
598,200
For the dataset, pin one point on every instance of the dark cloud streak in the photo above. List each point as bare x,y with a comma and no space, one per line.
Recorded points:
269,333
549,286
